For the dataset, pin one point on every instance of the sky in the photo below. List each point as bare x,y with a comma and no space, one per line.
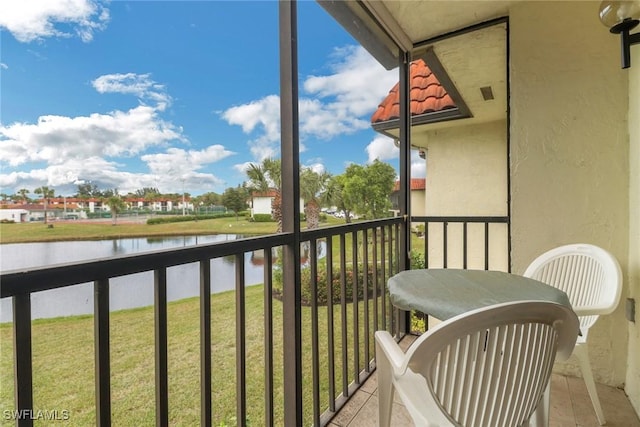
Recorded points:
175,95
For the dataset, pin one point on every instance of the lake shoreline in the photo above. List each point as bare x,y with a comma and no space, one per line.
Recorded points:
76,230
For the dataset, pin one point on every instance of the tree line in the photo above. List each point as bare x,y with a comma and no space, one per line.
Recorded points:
362,190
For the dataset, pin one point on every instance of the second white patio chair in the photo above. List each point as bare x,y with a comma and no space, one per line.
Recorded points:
488,367
592,279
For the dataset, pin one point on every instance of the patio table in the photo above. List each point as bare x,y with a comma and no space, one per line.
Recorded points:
445,293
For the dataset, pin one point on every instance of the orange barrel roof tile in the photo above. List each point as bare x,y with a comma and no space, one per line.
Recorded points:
427,95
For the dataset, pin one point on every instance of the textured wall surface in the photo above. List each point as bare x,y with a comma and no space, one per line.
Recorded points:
467,170
570,151
633,372
467,176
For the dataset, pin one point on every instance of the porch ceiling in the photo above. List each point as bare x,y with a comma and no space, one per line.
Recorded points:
423,20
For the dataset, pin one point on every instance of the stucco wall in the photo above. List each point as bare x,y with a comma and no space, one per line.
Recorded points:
418,203
633,372
570,151
467,169
467,176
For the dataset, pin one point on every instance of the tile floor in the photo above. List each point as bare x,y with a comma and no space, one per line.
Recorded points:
570,406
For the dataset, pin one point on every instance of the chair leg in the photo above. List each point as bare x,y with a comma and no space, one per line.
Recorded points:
540,417
385,389
585,366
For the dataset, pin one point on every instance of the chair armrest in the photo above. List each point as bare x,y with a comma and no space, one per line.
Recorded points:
392,351
593,310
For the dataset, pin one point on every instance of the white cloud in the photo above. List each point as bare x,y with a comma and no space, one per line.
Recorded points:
65,173
358,82
242,167
317,167
382,148
4,66
181,164
30,20
65,177
54,139
418,166
338,104
139,85
262,115
324,121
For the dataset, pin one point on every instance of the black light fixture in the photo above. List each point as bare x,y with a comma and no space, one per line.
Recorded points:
621,17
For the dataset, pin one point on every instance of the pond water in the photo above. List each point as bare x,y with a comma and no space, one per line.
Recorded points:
127,291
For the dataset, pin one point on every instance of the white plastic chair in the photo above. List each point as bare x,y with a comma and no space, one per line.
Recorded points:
487,367
592,279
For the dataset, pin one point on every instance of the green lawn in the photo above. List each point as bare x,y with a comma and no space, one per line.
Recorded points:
72,230
63,359
63,362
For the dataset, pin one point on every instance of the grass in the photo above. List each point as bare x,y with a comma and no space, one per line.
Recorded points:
63,362
63,358
74,230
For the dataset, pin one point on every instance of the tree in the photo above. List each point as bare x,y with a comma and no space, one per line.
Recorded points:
146,192
46,194
88,190
334,196
108,193
207,200
312,187
116,205
264,177
367,188
23,195
235,199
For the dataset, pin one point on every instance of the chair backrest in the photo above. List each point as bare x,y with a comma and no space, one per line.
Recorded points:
589,275
489,367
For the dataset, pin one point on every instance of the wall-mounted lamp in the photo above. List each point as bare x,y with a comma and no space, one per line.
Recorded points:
621,17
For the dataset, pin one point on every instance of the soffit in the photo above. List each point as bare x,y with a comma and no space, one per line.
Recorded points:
471,60
426,19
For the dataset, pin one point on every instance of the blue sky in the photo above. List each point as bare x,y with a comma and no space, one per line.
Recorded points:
174,94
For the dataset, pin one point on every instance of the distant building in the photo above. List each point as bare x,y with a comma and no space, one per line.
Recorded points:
261,202
418,197
15,215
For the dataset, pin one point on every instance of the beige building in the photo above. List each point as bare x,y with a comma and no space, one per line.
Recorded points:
542,126
418,197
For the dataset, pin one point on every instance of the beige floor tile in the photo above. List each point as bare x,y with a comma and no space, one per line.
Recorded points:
351,408
368,415
616,406
582,406
371,385
570,406
561,411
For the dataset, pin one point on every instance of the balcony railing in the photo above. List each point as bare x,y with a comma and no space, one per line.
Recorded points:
478,242
343,291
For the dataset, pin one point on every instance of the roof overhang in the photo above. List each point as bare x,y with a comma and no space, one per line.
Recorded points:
463,42
389,28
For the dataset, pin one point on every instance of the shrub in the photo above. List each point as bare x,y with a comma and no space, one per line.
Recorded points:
336,283
180,218
262,218
417,260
